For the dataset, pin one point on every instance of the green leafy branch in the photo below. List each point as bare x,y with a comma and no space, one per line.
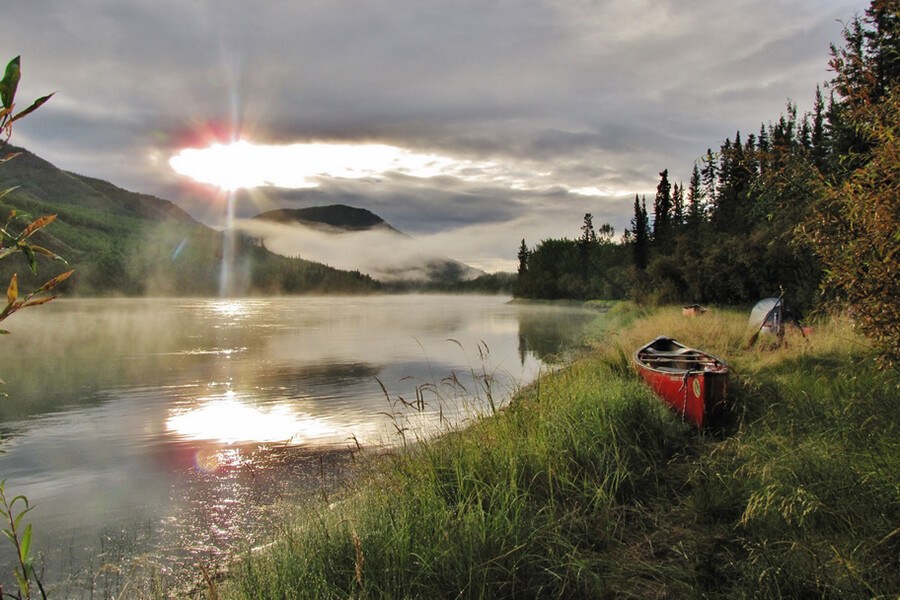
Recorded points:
12,241
8,86
21,539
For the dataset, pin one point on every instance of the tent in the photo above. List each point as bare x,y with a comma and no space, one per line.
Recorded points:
770,315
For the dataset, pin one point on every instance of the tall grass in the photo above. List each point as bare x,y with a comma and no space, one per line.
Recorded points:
801,496
587,487
519,505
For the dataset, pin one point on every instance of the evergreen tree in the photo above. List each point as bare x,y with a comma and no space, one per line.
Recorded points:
818,141
866,67
677,206
733,190
751,157
662,210
805,137
762,149
695,201
722,201
588,234
523,257
709,175
883,45
640,234
587,241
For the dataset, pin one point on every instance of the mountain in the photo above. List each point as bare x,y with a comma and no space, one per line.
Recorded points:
350,237
121,242
335,218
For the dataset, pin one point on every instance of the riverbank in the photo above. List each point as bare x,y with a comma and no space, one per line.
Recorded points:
588,487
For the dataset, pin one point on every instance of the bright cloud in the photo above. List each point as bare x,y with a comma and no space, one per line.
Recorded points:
246,165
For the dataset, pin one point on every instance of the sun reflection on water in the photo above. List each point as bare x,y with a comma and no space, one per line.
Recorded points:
229,420
230,308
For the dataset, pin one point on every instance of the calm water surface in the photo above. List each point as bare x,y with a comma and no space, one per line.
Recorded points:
173,427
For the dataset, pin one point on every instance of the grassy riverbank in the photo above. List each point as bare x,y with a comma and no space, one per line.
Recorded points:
587,487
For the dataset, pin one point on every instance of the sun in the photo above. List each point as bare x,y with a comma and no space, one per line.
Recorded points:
243,164
228,166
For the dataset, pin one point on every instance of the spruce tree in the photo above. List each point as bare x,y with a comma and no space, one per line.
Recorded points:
588,234
640,234
818,140
751,157
721,203
587,241
523,257
762,149
710,177
677,206
695,201
867,68
662,209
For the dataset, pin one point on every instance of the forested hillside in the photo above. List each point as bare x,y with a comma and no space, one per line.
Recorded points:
337,216
774,209
120,242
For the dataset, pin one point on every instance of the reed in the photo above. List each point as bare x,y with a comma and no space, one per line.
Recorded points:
587,486
520,504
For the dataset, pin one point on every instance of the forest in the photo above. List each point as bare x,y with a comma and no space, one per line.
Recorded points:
807,205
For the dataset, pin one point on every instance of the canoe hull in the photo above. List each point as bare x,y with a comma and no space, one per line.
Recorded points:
691,382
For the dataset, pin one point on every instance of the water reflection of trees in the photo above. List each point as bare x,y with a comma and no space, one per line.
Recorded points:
551,332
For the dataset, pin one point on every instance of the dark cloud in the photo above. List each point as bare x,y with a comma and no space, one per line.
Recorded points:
557,97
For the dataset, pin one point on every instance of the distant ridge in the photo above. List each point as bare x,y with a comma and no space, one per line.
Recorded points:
383,252
336,216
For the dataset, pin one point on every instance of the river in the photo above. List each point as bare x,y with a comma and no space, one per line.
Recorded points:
172,428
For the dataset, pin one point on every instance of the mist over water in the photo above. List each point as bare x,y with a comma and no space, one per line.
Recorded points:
174,427
384,254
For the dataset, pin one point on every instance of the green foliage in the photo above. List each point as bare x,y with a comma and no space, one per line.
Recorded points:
14,239
590,267
855,228
21,539
19,242
8,86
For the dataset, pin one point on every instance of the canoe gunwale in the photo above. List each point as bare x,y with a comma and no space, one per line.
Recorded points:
645,357
690,381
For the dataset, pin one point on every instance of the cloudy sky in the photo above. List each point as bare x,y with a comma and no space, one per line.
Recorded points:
469,124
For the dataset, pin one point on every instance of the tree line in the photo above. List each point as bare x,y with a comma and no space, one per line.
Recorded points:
807,205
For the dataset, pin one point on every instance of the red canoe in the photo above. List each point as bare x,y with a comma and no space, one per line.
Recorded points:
692,382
